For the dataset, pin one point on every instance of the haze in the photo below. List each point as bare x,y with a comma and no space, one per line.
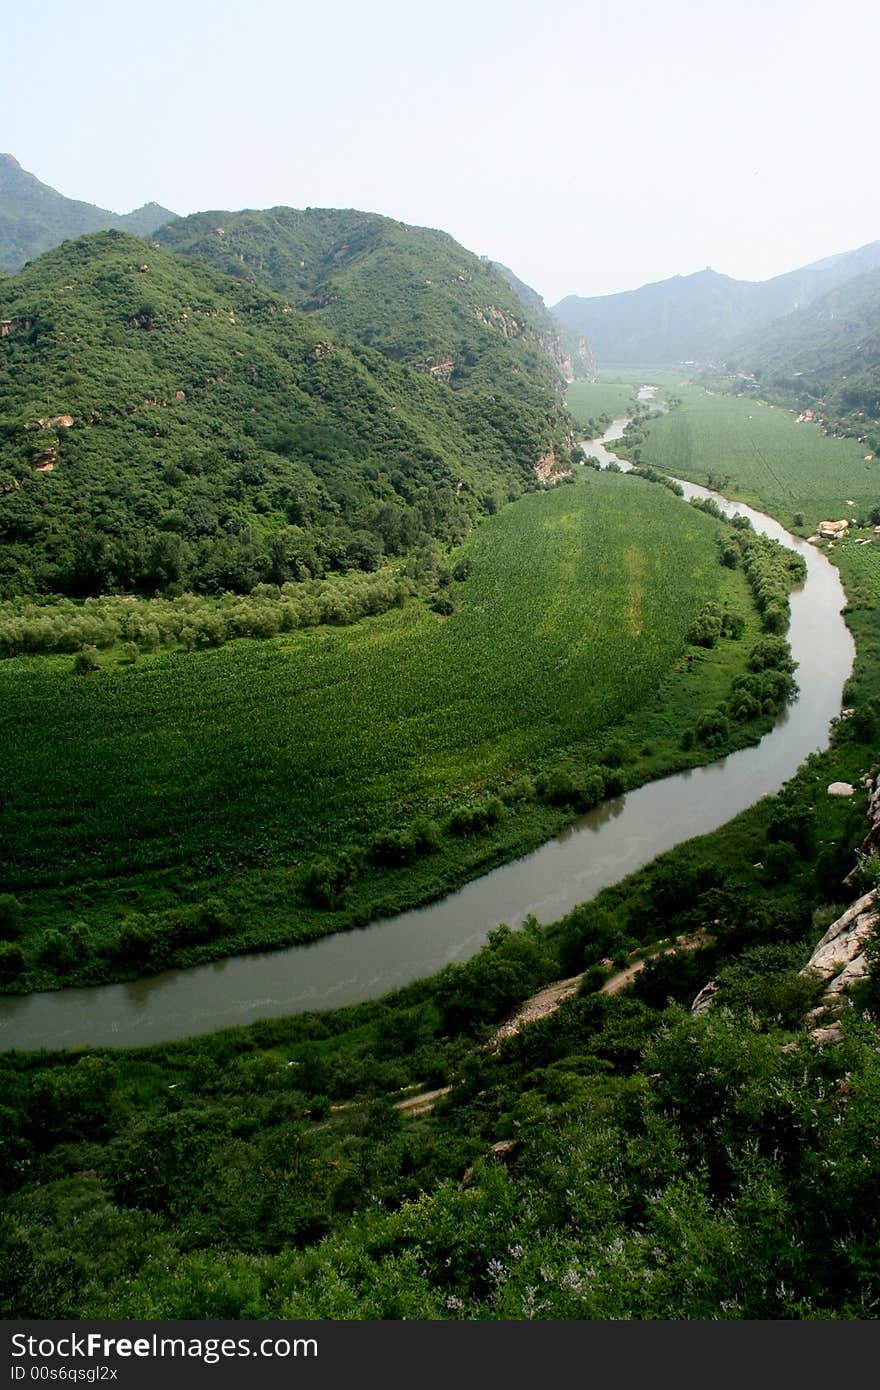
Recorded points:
590,147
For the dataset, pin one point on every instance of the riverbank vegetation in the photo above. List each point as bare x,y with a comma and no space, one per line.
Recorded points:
237,797
620,1158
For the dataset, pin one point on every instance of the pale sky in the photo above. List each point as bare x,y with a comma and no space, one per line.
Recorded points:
590,146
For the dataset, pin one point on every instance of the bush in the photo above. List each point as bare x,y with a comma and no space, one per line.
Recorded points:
56,949
11,961
713,729
561,788
10,917
472,820
326,881
781,861
85,661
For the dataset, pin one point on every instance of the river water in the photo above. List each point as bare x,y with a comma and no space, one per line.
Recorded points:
602,847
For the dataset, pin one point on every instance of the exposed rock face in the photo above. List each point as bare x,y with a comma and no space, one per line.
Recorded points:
440,370
871,842
548,471
705,999
839,960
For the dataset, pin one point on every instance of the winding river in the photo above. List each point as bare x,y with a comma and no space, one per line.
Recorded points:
602,847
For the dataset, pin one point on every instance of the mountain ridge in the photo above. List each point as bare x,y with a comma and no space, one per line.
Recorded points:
35,217
693,317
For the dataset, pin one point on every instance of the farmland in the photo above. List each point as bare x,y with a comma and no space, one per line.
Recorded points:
759,453
587,400
248,777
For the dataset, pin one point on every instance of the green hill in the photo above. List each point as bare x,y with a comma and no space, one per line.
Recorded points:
694,317
825,357
412,293
34,217
167,427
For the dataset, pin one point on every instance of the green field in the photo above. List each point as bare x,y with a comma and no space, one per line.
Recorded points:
227,773
587,400
759,452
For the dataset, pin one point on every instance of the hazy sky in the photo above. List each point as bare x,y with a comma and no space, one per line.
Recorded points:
590,146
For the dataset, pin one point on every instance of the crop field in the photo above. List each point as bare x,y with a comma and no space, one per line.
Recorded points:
760,453
587,400
226,771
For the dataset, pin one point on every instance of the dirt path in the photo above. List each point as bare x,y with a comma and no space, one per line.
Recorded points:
546,1002
422,1102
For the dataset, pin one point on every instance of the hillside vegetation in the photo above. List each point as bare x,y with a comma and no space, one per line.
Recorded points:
412,293
825,358
34,217
166,428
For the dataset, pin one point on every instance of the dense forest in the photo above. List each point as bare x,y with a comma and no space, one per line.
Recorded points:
168,428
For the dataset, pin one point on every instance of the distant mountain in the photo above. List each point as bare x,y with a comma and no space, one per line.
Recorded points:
825,356
412,293
569,349
164,426
694,317
34,217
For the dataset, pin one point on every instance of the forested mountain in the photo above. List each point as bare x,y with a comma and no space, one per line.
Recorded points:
694,317
413,293
826,356
166,426
34,217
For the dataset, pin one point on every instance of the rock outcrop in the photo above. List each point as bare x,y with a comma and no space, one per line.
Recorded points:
839,960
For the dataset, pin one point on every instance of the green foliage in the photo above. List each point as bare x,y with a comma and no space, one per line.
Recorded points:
86,661
220,440
10,917
530,674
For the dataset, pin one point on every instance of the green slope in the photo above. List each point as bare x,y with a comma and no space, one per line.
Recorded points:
167,427
413,293
826,356
34,217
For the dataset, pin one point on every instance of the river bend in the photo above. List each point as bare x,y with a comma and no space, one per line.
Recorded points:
604,846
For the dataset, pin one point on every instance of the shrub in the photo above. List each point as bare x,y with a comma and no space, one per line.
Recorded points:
86,660
10,917
472,820
326,881
56,949
713,729
11,960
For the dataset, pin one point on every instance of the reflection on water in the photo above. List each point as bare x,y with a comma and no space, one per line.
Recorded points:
608,843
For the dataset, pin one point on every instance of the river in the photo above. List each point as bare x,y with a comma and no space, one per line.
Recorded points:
602,847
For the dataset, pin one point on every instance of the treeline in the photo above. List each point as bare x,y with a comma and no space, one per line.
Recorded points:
146,625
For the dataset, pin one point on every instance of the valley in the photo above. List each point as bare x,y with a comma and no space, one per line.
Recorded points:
371,661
